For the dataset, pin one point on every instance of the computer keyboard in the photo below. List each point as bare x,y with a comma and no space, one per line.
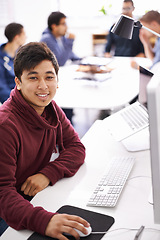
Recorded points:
112,182
135,117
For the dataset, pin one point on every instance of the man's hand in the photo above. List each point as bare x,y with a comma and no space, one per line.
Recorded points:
143,37
35,184
70,36
64,223
107,55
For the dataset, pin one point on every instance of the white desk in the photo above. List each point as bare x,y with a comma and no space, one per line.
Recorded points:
132,210
115,92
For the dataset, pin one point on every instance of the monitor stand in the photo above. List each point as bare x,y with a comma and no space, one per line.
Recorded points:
138,141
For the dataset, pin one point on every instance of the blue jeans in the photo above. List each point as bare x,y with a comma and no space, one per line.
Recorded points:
3,226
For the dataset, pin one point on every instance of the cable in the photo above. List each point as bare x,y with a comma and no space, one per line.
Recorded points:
153,229
138,177
127,229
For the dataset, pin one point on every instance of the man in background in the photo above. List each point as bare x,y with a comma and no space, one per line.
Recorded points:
60,42
57,39
16,37
125,47
151,20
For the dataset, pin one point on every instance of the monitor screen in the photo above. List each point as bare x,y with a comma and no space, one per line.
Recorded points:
144,78
153,100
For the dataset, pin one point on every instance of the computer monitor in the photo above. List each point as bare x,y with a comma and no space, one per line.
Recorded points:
144,78
153,99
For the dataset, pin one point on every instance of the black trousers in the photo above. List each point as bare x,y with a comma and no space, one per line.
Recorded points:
69,113
3,226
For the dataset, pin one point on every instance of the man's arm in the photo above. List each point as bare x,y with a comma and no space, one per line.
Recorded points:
109,44
14,209
18,212
71,157
64,223
71,152
146,44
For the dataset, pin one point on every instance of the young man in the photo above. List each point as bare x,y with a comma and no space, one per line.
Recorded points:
16,36
152,21
32,128
57,39
125,47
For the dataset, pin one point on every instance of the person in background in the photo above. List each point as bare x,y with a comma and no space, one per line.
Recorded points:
16,37
152,21
125,47
32,129
60,42
58,39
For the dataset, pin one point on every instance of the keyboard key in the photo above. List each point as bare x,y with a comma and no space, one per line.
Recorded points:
135,118
111,184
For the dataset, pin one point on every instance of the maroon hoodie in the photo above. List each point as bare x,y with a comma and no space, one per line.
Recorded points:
27,142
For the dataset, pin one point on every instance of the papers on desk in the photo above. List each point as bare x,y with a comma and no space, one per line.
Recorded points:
94,69
98,61
98,77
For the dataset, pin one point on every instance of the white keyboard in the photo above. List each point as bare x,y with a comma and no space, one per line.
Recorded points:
112,182
136,117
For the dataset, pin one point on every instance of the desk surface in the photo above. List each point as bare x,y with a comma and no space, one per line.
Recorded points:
132,210
117,91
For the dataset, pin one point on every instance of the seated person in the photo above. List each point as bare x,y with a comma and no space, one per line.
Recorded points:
60,42
57,39
122,46
152,21
32,129
16,36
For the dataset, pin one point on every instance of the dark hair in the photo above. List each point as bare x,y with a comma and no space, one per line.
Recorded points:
151,16
54,18
11,30
126,1
30,55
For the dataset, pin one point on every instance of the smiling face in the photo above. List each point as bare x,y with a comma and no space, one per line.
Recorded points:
38,85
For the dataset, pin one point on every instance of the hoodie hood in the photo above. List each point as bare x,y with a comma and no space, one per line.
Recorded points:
49,119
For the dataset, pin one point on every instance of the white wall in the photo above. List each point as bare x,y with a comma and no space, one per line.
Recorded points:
84,17
33,15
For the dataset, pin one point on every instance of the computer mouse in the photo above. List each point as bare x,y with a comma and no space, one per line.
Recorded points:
89,230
